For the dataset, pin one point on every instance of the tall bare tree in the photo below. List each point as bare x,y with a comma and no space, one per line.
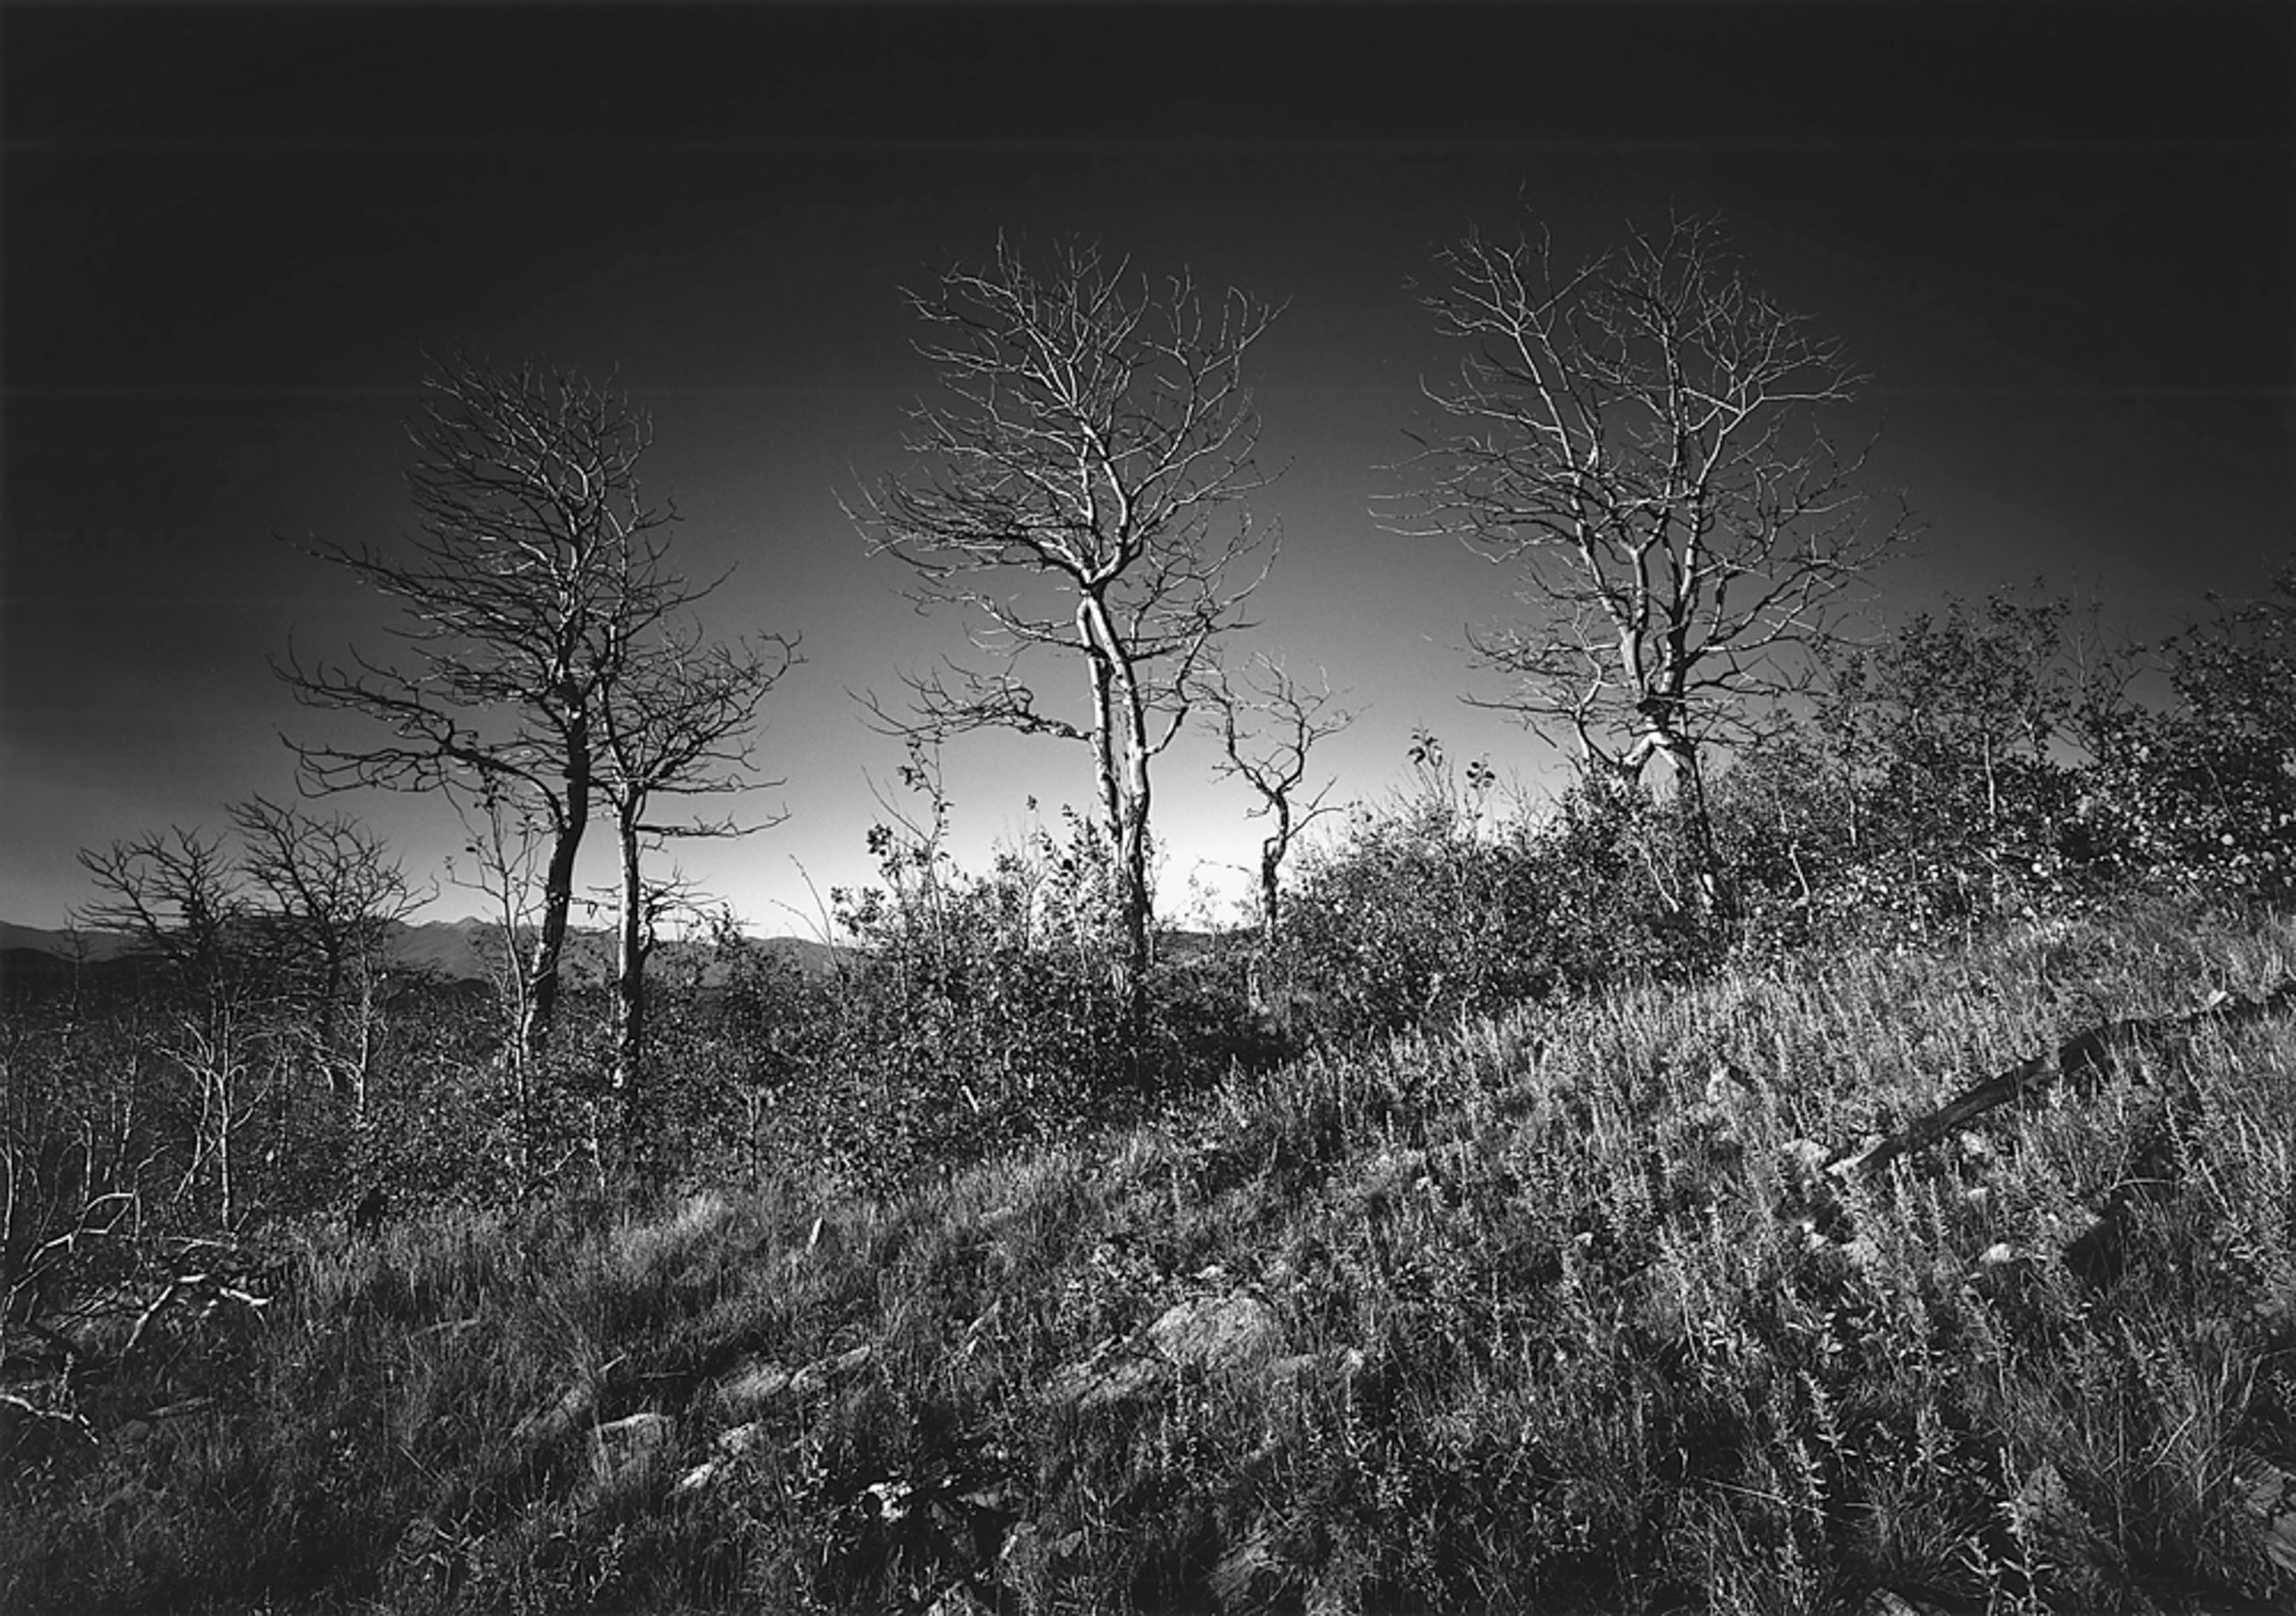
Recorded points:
1269,721
1079,492
1639,437
538,574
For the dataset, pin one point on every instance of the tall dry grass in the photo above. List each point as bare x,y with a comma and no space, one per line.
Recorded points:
1564,1317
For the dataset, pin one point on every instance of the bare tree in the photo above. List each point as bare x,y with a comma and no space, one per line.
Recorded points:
504,844
257,959
674,726
187,907
1268,723
1639,437
175,894
1080,491
334,893
539,573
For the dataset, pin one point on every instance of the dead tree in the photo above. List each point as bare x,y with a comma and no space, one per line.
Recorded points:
334,892
1268,723
1079,493
187,907
674,726
1640,438
538,573
504,845
176,895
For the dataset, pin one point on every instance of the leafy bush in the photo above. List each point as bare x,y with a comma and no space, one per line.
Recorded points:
1927,793
972,1014
1442,906
2200,797
1415,916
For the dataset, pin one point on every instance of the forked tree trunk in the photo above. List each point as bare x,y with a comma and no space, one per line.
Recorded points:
1272,850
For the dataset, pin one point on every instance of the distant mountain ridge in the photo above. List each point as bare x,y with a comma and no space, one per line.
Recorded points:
459,950
64,944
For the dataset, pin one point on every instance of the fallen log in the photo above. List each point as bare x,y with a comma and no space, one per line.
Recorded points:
2082,1060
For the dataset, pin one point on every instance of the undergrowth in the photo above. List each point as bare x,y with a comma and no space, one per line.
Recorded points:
1565,1314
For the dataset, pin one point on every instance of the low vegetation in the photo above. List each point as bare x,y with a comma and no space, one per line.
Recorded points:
1556,1309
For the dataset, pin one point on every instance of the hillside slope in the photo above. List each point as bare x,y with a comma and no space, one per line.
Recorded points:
1561,1312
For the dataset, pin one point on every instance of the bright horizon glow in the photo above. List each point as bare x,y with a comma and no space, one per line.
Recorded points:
232,234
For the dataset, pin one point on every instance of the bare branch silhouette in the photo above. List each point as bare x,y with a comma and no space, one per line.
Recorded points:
1269,721
1080,492
1640,438
536,595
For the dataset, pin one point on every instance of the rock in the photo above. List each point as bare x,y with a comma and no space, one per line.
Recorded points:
753,1385
621,1446
1884,1602
731,1445
821,1371
1099,1385
760,1382
1216,1332
635,1433
2279,1540
1211,1334
2271,1495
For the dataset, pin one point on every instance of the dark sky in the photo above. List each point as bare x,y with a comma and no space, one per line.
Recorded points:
2061,238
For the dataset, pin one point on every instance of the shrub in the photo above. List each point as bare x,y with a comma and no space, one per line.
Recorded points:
1439,907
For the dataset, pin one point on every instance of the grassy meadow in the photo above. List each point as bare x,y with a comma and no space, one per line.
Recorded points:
1555,1311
